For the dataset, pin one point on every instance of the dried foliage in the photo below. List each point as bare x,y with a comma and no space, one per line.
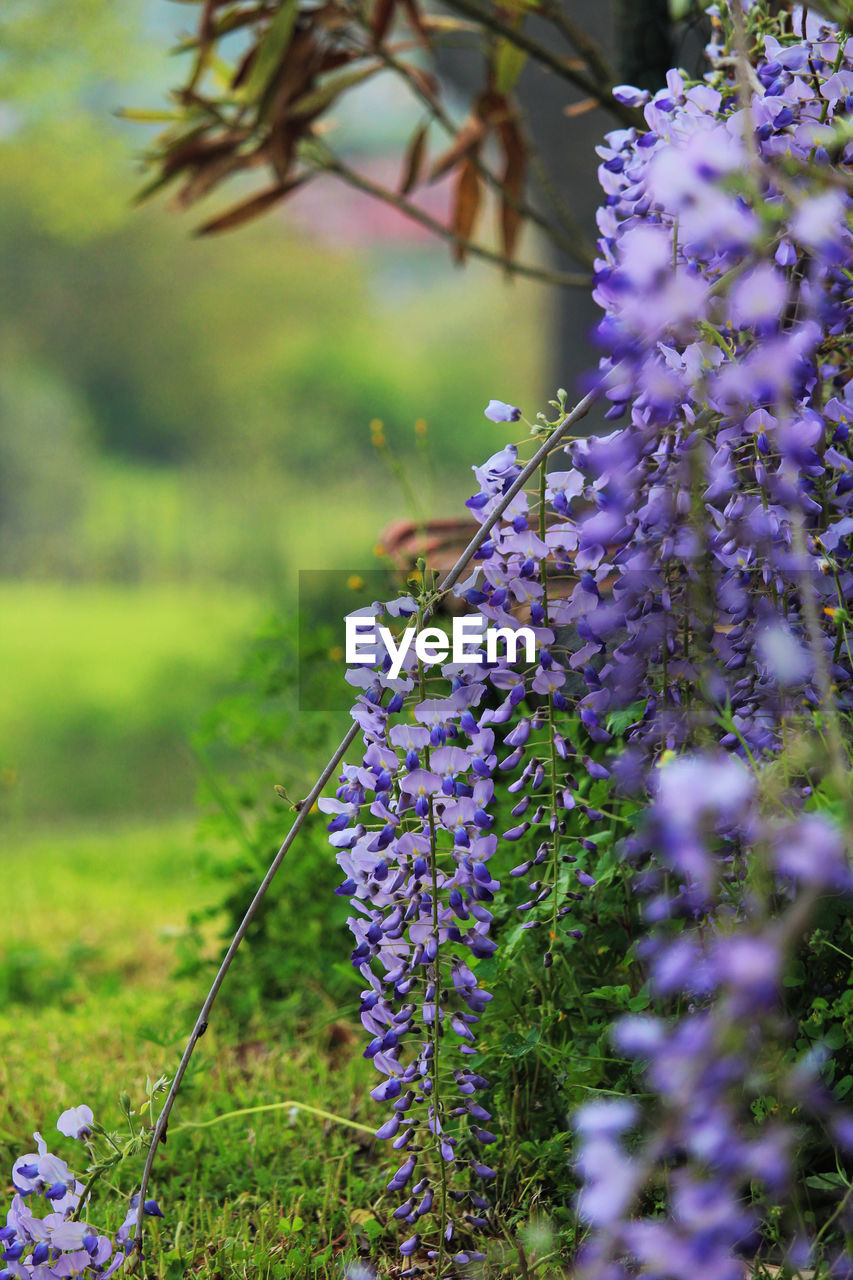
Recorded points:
266,78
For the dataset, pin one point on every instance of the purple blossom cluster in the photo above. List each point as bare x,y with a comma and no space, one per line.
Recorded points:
412,830
48,1235
685,578
724,277
725,509
716,1176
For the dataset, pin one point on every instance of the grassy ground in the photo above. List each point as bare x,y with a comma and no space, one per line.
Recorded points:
89,1009
270,1169
100,873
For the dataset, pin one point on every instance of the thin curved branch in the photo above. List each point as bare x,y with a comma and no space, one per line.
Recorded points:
580,411
630,116
566,279
588,48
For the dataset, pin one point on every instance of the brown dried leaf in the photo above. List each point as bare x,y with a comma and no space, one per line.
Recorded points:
580,108
206,24
334,59
281,147
195,148
244,67
330,17
425,80
512,184
468,139
492,108
253,208
380,22
466,205
208,175
414,158
413,14
318,99
296,75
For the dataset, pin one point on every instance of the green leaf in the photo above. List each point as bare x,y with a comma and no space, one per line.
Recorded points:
619,721
513,941
826,1181
509,64
147,117
845,1084
619,995
514,1047
835,1037
324,95
271,50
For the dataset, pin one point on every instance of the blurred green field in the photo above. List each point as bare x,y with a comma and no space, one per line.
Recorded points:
102,688
96,907
153,524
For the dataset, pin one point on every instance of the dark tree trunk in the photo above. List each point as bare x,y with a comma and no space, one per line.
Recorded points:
644,39
637,38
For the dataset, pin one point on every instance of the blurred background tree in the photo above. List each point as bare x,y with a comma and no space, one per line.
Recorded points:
182,428
487,90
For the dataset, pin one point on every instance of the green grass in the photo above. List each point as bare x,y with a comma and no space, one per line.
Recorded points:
90,1005
96,1011
103,687
96,907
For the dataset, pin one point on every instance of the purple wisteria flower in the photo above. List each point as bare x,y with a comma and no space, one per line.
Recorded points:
76,1122
410,825
45,1236
498,411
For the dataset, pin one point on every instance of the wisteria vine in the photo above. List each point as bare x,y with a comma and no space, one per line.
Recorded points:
687,574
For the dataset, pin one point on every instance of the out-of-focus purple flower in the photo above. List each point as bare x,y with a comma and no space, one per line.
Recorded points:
757,299
811,851
691,787
819,220
787,660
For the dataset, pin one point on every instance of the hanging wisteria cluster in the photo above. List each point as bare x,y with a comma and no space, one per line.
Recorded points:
412,830
730,347
701,1151
687,576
